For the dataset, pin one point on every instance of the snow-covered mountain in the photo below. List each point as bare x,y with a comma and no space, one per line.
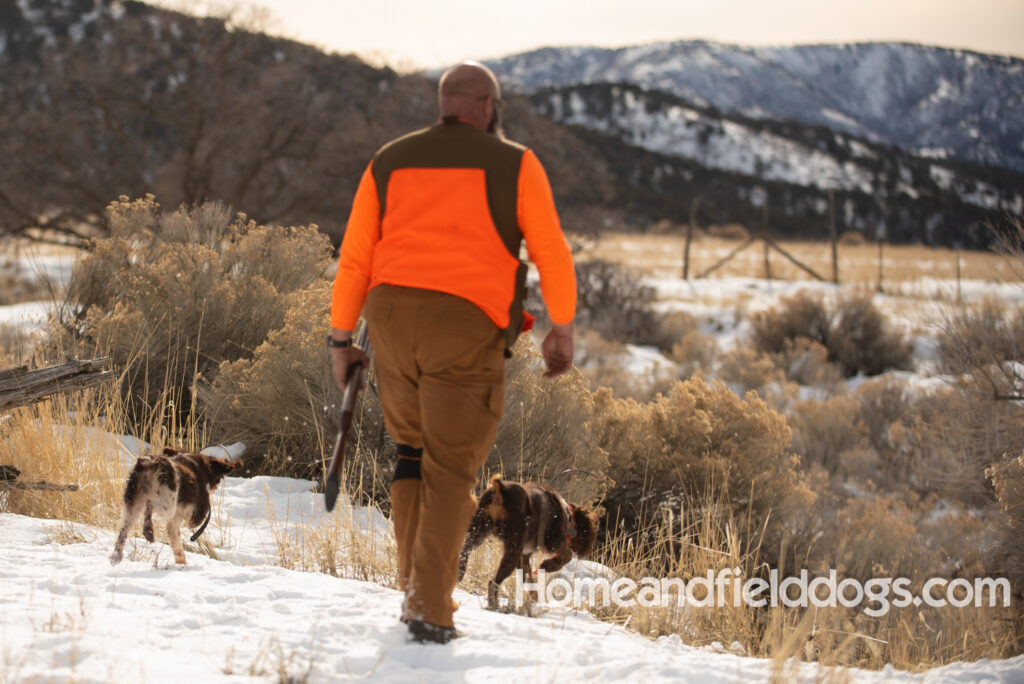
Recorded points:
927,100
666,151
768,150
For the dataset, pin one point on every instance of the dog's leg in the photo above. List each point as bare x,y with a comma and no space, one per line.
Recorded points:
174,536
147,524
531,595
132,511
509,560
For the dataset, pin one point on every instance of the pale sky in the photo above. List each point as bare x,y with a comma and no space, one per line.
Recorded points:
409,34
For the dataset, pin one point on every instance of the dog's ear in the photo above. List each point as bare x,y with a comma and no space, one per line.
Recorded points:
222,466
495,506
169,451
586,532
497,485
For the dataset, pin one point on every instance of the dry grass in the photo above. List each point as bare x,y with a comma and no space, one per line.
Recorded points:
58,442
903,265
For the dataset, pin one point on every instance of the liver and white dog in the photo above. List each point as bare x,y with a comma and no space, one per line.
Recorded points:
526,518
175,486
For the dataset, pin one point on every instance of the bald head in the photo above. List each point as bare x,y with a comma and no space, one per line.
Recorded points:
470,91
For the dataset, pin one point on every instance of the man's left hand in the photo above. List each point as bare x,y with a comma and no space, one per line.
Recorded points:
557,349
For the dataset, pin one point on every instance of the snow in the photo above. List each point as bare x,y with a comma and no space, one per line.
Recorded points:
27,314
67,615
725,145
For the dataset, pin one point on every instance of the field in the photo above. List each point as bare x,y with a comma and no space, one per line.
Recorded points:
709,443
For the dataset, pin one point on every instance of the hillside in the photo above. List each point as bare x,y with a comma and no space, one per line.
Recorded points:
926,100
668,151
103,98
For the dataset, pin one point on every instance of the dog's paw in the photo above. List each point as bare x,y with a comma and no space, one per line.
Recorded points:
115,558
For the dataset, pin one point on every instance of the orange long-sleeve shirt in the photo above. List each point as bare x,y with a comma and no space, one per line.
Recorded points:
437,227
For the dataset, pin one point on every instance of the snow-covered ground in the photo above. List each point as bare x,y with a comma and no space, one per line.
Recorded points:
235,614
66,615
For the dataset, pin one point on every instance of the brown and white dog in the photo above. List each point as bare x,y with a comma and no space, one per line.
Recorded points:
526,518
175,486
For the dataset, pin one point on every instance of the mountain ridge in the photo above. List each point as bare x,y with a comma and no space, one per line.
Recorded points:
928,100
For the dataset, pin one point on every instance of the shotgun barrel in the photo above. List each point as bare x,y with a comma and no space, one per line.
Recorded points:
353,385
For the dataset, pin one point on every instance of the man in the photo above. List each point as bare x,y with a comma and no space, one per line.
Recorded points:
432,250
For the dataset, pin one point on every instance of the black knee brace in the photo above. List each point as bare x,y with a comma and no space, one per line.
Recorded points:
408,466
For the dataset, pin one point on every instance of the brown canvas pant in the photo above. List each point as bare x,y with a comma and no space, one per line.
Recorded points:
441,372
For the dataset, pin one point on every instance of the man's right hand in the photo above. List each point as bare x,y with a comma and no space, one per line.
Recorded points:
343,359
557,350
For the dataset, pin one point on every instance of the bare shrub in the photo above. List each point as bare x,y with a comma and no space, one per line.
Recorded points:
173,294
855,333
852,238
613,302
1007,477
678,334
985,339
700,438
746,369
546,429
283,402
861,341
825,431
952,436
801,315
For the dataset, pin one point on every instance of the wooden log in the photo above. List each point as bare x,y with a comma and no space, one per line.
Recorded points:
39,486
23,387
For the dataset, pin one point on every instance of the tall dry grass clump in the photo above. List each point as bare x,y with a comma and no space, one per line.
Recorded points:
80,439
170,295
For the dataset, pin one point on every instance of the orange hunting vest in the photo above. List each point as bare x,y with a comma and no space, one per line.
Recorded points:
446,208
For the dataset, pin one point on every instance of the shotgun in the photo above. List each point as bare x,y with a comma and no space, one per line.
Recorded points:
353,385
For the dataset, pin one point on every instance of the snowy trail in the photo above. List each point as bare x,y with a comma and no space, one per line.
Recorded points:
67,615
